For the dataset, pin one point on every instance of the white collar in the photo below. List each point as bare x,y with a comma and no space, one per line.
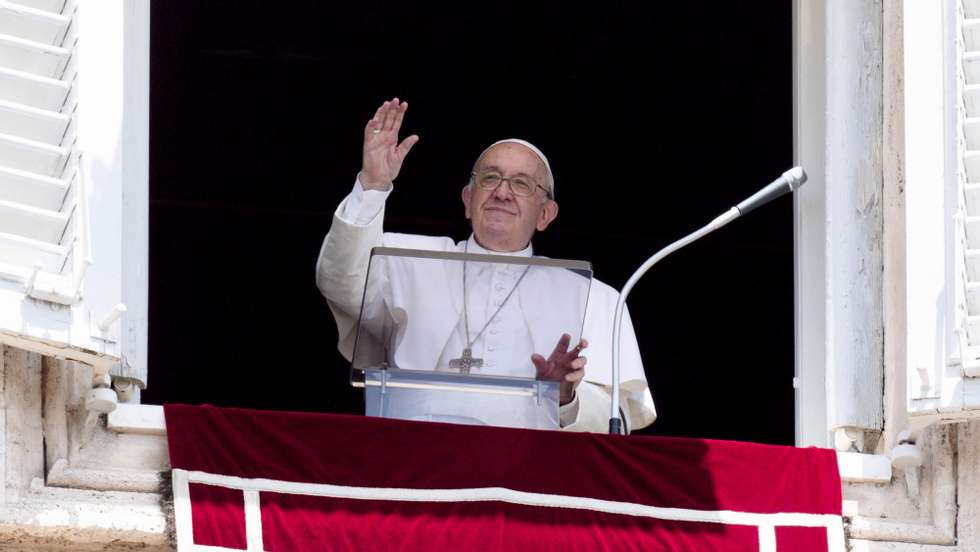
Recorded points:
474,247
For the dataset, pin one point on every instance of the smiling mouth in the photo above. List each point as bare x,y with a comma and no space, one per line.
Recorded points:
499,209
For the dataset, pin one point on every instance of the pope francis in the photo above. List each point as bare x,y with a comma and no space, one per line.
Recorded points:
509,195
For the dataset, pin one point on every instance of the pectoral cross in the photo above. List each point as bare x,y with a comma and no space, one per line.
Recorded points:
465,362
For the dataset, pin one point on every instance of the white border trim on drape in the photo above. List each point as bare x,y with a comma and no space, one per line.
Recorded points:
253,520
767,538
766,523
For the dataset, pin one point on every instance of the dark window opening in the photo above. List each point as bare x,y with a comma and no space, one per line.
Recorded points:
656,117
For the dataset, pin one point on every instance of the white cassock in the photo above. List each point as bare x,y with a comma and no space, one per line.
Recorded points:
522,326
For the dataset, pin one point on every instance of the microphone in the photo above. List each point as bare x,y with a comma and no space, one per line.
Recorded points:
790,181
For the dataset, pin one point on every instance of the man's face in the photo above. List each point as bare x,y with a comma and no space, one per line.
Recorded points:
503,220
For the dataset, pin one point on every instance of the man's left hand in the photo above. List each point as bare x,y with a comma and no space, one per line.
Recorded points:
563,365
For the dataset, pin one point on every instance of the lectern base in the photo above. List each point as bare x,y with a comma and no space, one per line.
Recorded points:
457,399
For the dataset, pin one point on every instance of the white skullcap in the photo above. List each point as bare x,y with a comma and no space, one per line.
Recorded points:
550,183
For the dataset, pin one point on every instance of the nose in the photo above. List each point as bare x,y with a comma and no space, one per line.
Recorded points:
503,191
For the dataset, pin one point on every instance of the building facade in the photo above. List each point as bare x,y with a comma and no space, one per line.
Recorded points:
887,125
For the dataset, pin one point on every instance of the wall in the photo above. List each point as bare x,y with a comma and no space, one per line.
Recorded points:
74,480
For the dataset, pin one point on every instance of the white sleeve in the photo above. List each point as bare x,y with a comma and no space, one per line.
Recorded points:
591,409
568,413
362,206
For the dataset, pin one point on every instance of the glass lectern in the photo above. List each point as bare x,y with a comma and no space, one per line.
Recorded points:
446,336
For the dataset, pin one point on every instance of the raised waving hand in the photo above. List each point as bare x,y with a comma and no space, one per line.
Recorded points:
383,155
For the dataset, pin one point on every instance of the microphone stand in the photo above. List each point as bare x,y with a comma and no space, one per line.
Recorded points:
789,182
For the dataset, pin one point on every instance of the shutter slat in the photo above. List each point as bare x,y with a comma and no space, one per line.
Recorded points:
53,6
32,222
32,189
32,156
971,163
973,329
972,196
973,265
32,24
33,57
972,232
32,90
971,67
973,299
971,35
971,10
971,128
20,251
971,98
32,123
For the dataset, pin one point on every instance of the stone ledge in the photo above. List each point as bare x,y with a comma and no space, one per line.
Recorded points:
864,468
908,532
46,518
148,419
858,545
145,419
140,481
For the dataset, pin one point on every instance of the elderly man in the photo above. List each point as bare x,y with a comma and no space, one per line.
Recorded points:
508,197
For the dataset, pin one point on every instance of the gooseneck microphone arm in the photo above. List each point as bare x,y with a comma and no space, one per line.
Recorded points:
789,182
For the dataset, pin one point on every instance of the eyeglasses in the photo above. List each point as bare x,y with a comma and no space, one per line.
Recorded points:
520,185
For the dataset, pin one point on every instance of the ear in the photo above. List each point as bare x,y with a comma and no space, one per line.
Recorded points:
467,193
549,211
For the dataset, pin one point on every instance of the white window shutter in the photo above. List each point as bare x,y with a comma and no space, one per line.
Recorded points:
73,160
942,206
967,221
